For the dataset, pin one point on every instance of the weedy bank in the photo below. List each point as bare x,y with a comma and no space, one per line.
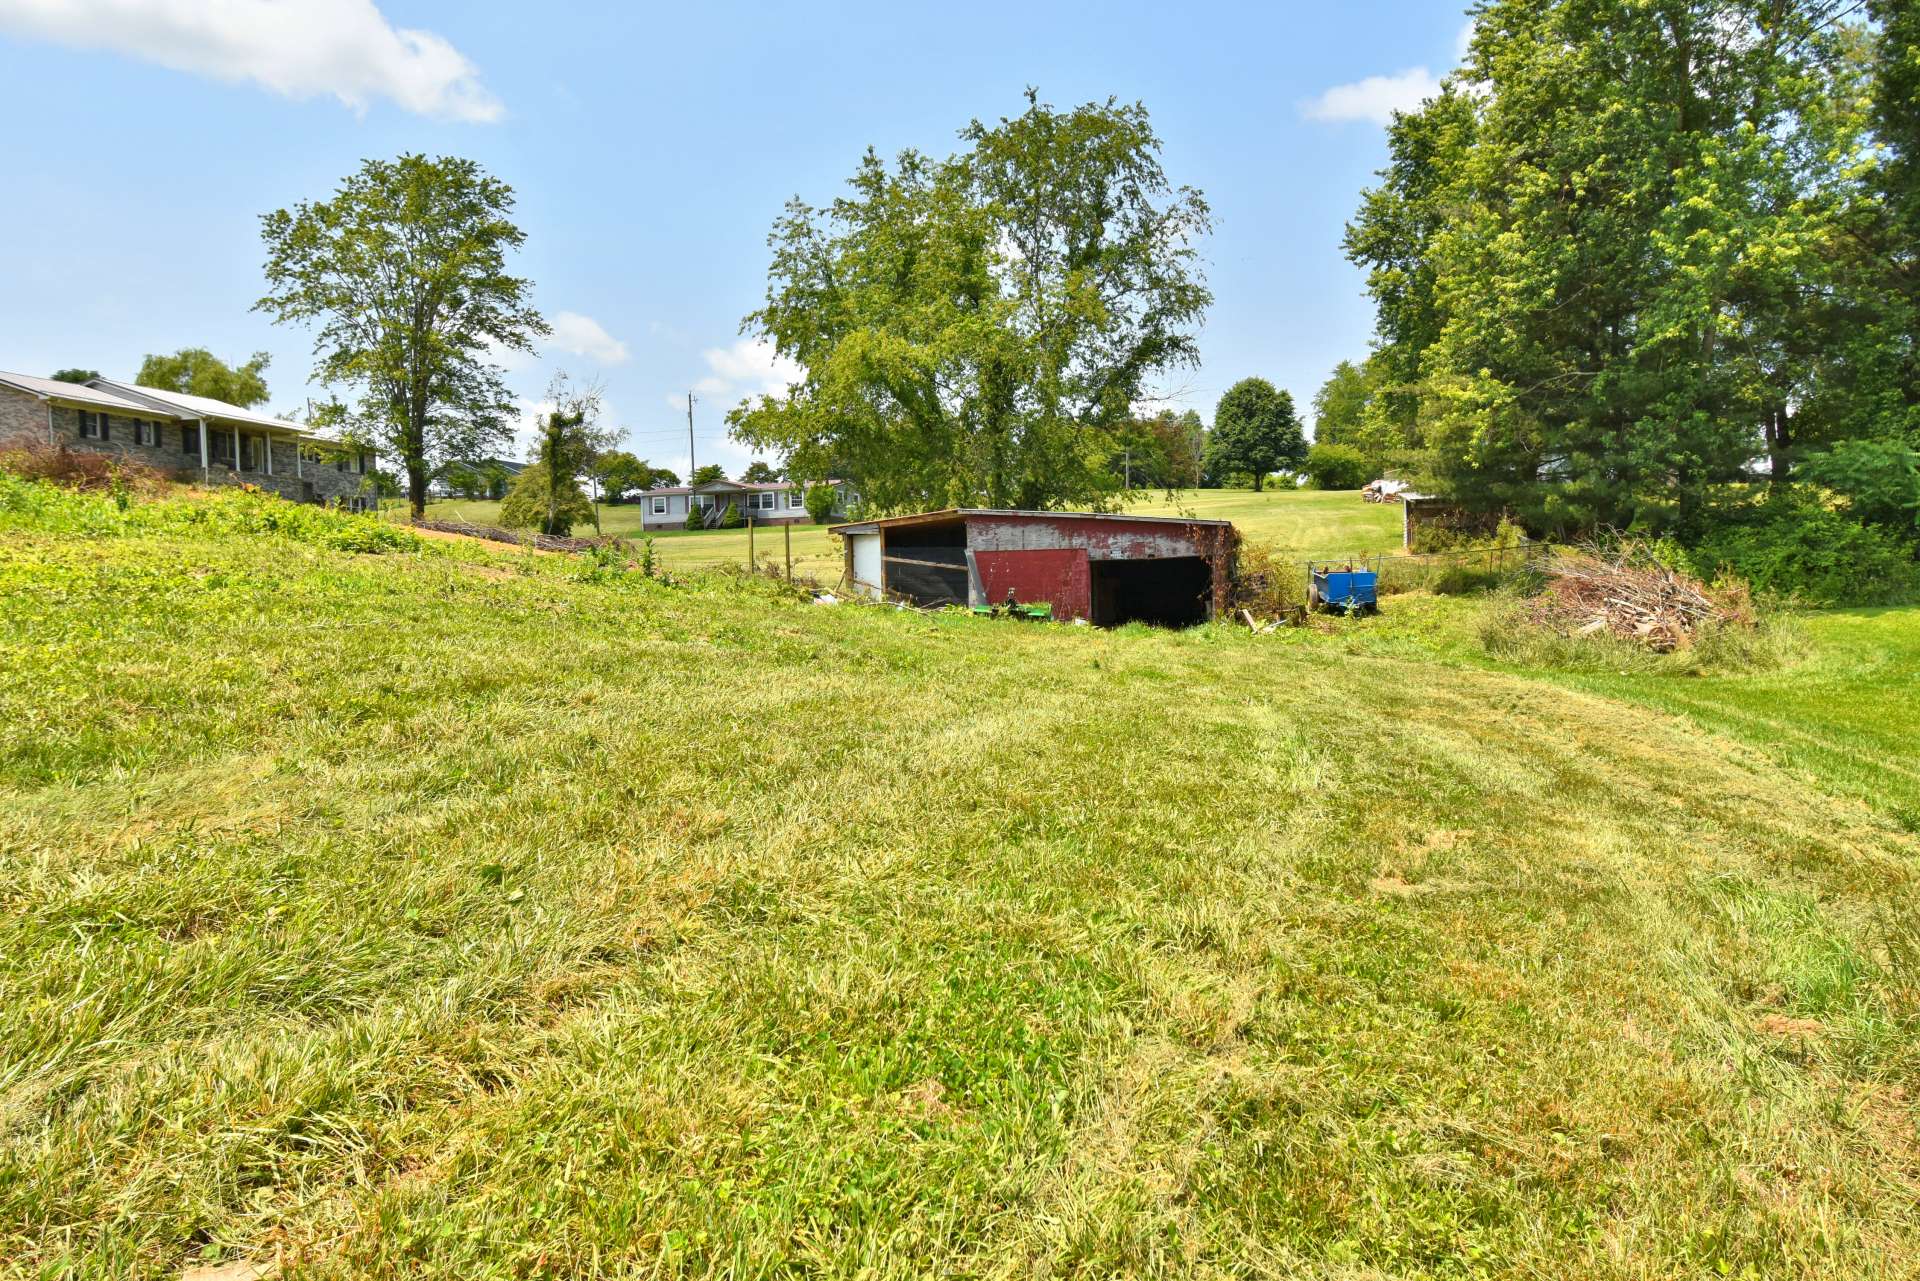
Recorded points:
424,910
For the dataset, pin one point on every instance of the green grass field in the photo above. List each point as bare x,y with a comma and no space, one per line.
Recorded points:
1308,523
461,913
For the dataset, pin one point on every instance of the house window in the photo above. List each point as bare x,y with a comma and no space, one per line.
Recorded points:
360,462
795,499
95,426
659,506
342,463
220,446
249,453
190,438
145,432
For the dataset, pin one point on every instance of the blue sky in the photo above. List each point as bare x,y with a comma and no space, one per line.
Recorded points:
651,148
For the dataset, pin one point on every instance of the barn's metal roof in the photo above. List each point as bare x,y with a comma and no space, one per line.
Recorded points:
961,513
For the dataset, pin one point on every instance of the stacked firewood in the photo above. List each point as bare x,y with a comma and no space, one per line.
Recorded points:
1627,593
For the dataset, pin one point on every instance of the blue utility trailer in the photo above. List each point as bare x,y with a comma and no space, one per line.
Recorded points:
1345,588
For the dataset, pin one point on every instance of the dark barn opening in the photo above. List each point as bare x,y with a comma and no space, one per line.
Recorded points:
1169,592
927,564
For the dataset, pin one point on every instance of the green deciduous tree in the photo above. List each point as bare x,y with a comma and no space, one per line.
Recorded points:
195,371
74,375
976,330
759,473
404,270
1607,259
1256,430
708,474
821,501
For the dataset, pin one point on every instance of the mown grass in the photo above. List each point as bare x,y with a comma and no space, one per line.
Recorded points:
1302,524
453,913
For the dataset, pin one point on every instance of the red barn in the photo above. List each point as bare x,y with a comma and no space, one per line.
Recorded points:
1107,570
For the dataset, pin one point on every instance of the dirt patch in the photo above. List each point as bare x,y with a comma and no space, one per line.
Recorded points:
1782,1025
236,1270
927,1101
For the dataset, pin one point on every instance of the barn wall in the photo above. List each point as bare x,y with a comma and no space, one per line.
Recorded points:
1102,539
1057,575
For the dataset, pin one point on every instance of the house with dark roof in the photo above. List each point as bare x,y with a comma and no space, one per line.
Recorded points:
193,437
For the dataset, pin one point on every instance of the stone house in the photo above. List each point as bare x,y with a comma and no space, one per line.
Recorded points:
192,437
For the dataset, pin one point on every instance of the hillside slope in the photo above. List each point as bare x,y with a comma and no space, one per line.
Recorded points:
452,914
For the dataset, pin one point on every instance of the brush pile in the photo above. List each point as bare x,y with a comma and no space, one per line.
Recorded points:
1626,593
522,538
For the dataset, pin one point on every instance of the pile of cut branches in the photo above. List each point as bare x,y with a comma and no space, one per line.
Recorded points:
522,538
1627,593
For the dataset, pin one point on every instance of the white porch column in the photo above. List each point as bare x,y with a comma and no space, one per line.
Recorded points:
204,477
237,460
299,448
267,438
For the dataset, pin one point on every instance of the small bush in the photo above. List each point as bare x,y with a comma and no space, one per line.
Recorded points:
1338,467
87,470
730,517
696,516
1802,550
529,505
1266,584
820,502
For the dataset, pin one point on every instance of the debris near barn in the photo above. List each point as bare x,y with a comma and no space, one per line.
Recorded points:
1628,594
1385,490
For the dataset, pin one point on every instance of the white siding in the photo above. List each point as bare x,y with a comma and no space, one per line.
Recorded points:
866,563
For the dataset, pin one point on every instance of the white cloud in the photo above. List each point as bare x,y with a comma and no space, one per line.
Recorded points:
1464,41
1374,99
297,48
749,367
583,336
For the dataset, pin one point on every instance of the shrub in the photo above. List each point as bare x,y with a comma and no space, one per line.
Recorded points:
89,471
730,517
1338,467
1266,583
1797,548
696,516
820,503
528,505
1880,480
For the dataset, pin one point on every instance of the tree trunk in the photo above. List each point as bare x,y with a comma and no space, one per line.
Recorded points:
417,487
1779,442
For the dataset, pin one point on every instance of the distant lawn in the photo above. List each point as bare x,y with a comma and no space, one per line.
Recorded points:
1310,523
1307,524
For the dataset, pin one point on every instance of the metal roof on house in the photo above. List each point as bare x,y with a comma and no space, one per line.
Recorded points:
737,487
181,405
961,513
77,393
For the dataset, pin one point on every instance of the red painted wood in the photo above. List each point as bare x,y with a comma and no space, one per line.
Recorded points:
1056,575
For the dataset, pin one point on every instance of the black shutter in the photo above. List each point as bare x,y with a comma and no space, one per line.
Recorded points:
106,427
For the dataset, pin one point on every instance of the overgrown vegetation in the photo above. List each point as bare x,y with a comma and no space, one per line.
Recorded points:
364,911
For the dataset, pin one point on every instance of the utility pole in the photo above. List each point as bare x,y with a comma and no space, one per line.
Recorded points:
691,468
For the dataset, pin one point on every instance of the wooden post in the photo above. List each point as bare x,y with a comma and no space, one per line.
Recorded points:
786,532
